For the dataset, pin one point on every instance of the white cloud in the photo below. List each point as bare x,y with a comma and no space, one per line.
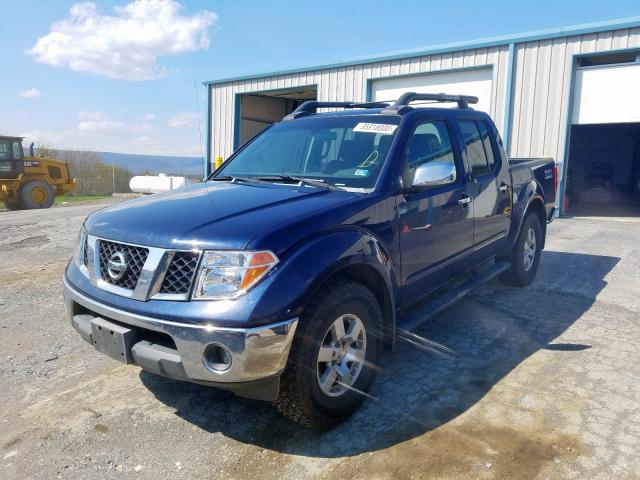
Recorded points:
92,115
183,120
40,137
29,93
95,122
143,127
126,45
149,117
101,127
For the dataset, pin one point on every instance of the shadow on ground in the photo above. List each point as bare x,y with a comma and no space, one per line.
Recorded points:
490,334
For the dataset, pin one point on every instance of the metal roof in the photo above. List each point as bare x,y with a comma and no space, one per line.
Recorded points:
603,26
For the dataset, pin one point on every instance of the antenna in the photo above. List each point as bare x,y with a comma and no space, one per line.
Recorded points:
195,88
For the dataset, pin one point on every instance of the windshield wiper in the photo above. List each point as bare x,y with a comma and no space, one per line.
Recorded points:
233,179
304,181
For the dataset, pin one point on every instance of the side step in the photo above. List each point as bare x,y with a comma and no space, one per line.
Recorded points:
417,317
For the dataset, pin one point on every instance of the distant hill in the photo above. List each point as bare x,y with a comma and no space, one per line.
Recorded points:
154,164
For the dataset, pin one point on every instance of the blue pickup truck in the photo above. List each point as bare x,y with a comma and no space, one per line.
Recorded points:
287,274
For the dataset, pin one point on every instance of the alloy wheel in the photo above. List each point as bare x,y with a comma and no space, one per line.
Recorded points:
341,355
529,254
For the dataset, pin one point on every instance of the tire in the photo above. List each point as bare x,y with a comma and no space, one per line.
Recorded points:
525,256
13,206
302,398
36,194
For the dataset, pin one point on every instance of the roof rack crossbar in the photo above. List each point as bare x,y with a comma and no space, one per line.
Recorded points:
402,104
311,106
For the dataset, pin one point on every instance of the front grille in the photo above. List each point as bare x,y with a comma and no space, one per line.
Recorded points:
180,273
135,258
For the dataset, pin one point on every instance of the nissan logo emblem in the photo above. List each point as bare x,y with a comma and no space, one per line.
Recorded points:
117,266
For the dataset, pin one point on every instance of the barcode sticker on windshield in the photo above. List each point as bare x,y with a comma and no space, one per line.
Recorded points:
382,128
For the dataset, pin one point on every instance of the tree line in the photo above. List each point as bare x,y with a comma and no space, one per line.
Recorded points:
94,176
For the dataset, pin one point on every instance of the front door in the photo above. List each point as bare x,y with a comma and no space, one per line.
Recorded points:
436,223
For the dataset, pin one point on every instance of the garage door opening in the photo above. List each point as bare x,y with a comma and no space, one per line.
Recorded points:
603,176
259,110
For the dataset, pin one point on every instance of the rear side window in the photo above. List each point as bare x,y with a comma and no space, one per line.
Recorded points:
475,143
486,143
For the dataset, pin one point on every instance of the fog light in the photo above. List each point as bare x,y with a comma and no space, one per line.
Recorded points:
217,358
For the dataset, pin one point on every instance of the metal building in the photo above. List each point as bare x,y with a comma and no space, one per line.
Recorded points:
571,93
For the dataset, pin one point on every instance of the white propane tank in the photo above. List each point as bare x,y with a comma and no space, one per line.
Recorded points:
156,183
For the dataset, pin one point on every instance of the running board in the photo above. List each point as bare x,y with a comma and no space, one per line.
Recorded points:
420,315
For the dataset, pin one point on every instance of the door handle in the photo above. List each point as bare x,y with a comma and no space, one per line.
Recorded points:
464,200
503,188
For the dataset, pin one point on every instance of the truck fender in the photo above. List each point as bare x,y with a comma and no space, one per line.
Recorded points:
531,195
350,252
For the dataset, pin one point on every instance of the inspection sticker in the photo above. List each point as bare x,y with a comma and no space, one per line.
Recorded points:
382,128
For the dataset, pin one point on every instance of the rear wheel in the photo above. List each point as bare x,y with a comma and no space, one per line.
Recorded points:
37,194
525,255
332,360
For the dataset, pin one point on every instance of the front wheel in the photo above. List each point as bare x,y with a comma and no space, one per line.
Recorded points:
525,255
333,359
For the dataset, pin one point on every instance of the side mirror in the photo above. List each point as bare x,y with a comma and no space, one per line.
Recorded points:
432,174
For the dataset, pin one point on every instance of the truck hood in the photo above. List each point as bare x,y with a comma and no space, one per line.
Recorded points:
220,215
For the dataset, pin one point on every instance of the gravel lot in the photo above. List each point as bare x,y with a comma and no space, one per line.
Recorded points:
543,382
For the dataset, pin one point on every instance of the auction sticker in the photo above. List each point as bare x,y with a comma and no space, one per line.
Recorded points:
382,128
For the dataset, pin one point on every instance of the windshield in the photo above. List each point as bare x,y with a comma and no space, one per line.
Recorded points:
5,150
344,151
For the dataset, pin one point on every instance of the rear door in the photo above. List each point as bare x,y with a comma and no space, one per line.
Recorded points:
436,224
490,192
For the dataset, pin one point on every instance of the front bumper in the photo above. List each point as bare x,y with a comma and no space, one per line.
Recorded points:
177,350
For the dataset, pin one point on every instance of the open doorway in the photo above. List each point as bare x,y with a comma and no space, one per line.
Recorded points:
603,176
259,110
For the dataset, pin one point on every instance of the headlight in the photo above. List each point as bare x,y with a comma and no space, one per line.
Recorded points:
227,274
80,254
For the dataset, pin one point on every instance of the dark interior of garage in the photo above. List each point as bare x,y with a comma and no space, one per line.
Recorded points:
603,176
258,111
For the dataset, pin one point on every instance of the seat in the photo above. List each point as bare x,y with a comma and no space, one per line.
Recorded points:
352,153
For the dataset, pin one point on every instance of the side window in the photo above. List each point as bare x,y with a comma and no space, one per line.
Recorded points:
486,142
17,151
475,149
430,142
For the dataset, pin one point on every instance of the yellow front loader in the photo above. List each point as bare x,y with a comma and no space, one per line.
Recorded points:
30,182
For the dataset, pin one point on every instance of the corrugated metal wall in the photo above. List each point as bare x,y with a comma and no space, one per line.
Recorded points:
349,83
542,87
540,96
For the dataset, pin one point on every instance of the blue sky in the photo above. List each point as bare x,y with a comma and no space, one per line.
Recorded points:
126,76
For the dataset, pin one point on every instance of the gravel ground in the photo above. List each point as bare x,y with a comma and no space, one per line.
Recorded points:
542,382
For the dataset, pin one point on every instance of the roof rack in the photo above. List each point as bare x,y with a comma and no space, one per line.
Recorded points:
311,106
402,104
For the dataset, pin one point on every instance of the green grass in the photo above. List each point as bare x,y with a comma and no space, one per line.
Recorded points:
73,198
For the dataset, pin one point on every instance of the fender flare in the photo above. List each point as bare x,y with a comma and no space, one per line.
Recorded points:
530,194
309,265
